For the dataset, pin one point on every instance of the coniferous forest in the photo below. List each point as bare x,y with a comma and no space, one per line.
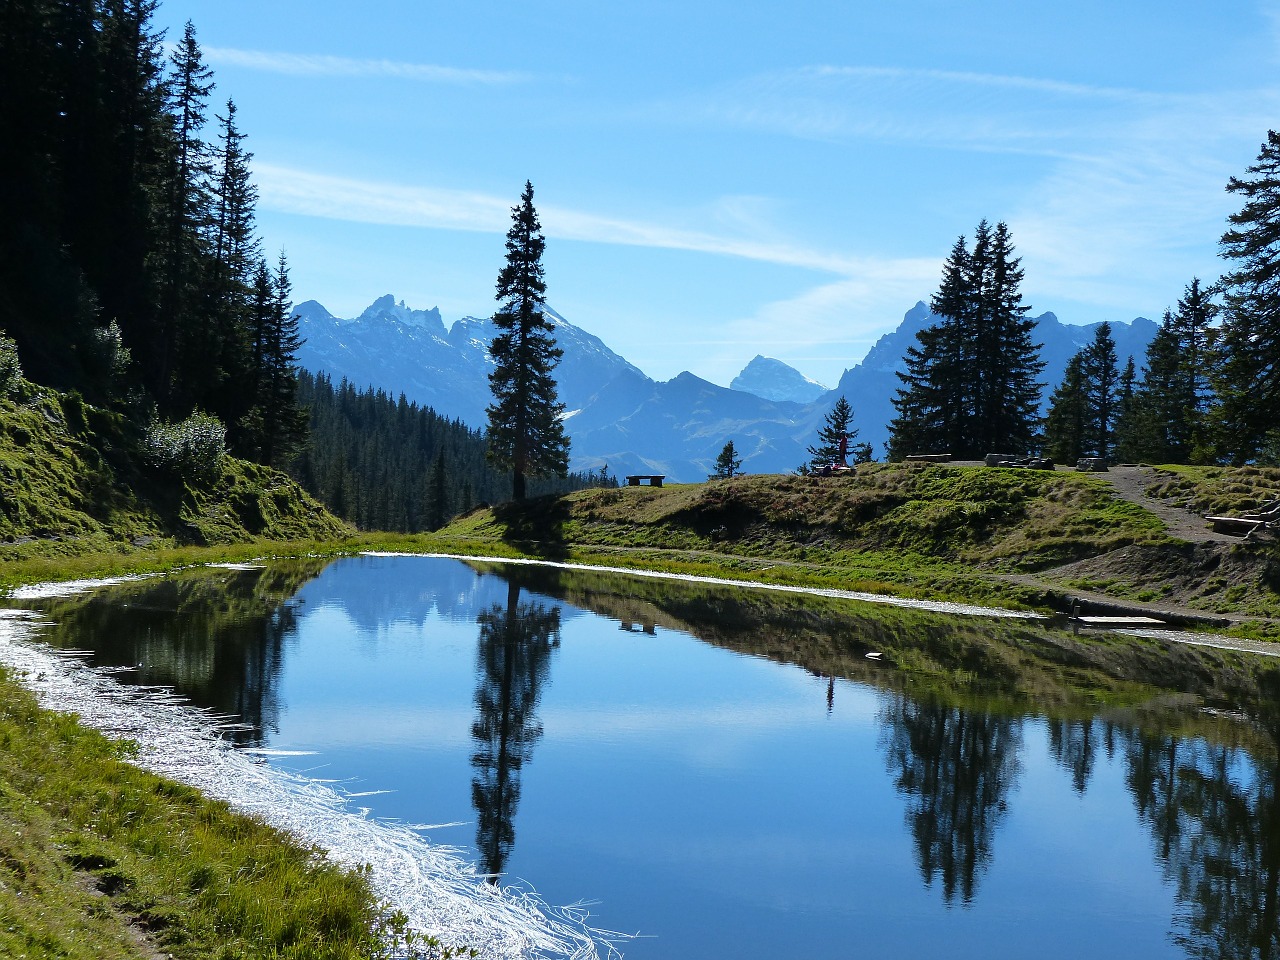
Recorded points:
130,269
131,272
1208,392
389,464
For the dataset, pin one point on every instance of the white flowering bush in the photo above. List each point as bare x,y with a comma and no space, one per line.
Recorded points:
10,368
109,344
192,448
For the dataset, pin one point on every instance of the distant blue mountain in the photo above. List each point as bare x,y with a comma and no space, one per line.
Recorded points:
401,350
775,380
617,416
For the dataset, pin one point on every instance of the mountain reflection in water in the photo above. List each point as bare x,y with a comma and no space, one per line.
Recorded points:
453,673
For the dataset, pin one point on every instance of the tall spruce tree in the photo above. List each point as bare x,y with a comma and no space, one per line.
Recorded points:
273,425
970,386
1193,328
1007,416
186,211
1127,428
1248,380
1100,374
1169,423
1065,426
1084,408
525,432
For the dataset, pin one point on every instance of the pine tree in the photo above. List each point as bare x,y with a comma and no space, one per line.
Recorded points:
525,431
970,384
1193,330
1100,378
1160,400
1009,365
932,400
1065,426
833,437
186,207
286,424
728,463
1247,387
1127,423
1084,408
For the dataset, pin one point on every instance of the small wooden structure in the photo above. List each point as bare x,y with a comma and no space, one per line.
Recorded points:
928,458
1261,523
1017,461
653,479
1237,525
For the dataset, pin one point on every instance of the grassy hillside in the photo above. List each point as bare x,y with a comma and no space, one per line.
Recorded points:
1026,538
99,859
913,528
73,481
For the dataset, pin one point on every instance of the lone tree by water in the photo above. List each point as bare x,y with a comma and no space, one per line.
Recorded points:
728,464
525,432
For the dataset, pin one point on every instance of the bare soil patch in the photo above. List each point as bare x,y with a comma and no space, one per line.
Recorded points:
1134,483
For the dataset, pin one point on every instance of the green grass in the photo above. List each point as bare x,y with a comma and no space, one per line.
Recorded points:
1217,490
100,859
72,482
915,530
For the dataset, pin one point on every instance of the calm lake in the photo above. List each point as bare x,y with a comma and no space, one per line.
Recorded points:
728,773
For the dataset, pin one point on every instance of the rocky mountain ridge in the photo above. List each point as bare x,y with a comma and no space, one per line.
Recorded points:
619,417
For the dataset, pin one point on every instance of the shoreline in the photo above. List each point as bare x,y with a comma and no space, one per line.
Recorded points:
1218,641
437,889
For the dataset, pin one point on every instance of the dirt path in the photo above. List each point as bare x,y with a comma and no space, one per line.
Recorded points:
1131,483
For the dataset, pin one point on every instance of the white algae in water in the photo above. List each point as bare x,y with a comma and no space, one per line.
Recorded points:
439,891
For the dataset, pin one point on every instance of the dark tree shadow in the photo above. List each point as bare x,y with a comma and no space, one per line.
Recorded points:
535,526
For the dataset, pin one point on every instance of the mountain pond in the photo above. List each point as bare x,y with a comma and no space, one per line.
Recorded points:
733,773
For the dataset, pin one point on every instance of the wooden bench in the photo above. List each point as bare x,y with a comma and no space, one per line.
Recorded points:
1238,525
655,480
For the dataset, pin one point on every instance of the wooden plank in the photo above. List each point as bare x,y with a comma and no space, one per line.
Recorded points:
1114,623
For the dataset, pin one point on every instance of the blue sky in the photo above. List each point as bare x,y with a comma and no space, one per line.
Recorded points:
718,180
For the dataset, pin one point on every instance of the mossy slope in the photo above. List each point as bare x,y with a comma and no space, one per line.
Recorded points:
71,482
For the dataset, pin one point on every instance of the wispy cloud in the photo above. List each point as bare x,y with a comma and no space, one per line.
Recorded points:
296,191
321,65
941,109
920,77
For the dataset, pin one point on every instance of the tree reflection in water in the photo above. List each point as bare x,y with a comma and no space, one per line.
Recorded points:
512,660
1074,744
957,769
1213,812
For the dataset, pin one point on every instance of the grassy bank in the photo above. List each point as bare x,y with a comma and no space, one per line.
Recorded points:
1026,539
915,530
100,859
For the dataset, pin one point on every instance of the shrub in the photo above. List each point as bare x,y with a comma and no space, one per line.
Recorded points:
10,367
109,345
192,449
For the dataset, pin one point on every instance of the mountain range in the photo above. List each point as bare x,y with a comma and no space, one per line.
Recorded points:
618,417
